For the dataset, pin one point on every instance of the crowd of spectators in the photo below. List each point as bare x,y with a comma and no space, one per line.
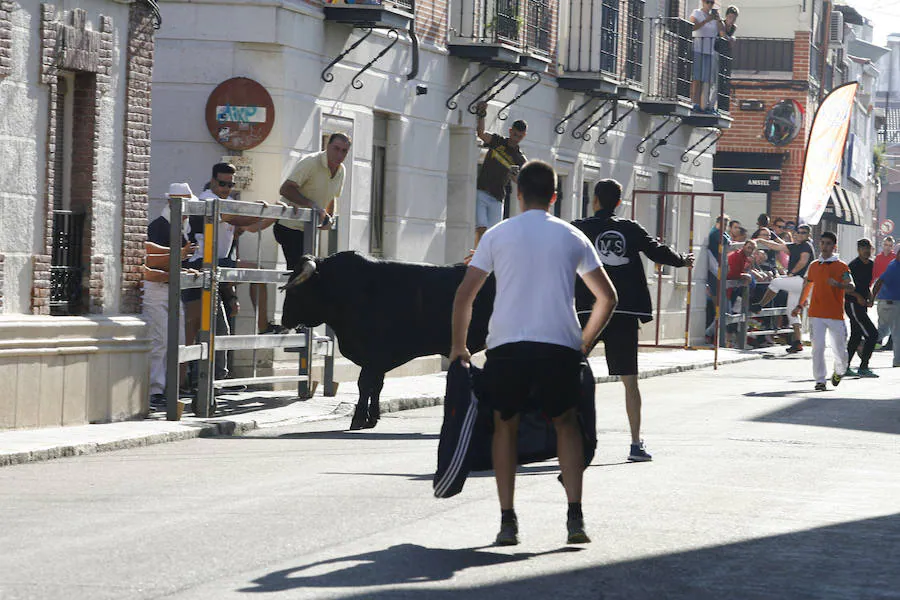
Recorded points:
753,261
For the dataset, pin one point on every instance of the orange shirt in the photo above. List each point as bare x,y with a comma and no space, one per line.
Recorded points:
827,301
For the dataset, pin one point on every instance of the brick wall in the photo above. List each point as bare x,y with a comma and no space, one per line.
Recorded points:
6,8
137,153
68,46
746,132
431,21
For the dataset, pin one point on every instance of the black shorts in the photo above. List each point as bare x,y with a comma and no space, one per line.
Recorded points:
532,376
620,338
291,242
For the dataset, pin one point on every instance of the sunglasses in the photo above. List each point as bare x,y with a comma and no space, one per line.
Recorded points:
228,184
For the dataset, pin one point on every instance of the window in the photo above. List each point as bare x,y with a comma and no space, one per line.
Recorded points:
561,186
587,198
376,206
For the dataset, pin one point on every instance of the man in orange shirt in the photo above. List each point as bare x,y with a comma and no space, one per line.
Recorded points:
827,279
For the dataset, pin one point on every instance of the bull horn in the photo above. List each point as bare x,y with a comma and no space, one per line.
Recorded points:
306,271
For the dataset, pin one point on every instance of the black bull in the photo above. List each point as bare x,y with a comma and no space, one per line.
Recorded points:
384,314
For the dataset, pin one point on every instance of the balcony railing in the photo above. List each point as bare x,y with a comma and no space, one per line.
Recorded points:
634,41
670,59
673,51
66,264
764,55
593,36
488,22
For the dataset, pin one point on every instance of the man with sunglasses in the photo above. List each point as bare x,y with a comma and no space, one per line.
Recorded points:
220,185
801,253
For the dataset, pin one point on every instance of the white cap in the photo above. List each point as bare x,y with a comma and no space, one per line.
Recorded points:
181,190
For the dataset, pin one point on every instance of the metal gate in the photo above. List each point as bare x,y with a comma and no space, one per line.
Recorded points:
211,274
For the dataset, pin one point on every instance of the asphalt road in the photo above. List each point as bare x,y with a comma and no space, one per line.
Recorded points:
759,488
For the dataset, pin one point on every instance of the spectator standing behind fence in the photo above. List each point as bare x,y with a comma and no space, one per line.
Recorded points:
826,282
502,162
535,344
707,26
882,261
619,243
219,186
887,291
155,307
801,254
316,182
856,304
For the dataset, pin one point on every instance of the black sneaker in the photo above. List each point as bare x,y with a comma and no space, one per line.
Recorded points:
274,329
577,535
639,453
794,348
820,387
509,534
835,379
158,402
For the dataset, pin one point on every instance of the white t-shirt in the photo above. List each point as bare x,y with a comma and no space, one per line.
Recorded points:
225,237
535,257
709,30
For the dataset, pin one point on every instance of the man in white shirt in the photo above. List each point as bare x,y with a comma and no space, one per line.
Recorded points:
535,345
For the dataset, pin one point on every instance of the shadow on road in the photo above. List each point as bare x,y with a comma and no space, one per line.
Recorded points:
824,410
523,471
404,563
849,560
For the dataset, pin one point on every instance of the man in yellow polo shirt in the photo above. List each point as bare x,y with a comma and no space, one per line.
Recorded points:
315,182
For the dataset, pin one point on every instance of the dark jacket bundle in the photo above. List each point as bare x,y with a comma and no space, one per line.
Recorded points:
468,427
619,243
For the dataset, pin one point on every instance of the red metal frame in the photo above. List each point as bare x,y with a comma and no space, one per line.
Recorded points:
661,229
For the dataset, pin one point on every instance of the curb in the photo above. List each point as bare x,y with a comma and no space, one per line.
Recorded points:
227,427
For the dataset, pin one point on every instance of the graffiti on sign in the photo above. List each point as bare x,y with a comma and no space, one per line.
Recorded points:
241,114
243,176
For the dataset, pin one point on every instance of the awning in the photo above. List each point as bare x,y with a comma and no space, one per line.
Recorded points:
747,171
843,206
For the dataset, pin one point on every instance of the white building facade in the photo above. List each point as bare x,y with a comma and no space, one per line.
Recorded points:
410,187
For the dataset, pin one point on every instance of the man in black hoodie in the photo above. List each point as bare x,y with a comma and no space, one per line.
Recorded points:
619,243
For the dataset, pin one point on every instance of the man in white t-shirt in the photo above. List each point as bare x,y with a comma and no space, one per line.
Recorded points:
535,345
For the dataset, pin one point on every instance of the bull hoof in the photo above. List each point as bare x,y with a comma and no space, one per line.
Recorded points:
357,425
371,423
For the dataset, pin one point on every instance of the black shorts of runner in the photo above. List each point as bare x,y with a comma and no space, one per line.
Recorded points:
532,376
620,338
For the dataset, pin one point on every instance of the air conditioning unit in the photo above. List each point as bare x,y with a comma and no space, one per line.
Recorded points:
837,28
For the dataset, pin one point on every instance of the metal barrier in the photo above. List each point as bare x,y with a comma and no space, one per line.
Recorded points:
742,318
211,275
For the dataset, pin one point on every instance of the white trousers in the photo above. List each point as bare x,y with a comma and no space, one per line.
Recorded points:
793,285
890,313
836,330
156,312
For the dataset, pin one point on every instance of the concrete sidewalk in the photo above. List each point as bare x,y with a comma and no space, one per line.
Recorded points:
246,411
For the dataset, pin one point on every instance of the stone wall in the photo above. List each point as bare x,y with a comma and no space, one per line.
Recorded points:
6,8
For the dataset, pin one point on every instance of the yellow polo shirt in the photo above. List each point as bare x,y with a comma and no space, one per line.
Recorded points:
314,178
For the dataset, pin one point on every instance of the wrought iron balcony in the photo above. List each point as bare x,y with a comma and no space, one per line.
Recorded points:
511,32
371,13
599,56
672,53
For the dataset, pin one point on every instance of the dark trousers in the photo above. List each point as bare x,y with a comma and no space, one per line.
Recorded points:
291,242
861,326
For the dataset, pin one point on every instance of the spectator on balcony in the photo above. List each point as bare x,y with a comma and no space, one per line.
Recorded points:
503,160
707,26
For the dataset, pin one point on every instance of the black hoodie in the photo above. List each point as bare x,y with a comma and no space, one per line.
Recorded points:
619,243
